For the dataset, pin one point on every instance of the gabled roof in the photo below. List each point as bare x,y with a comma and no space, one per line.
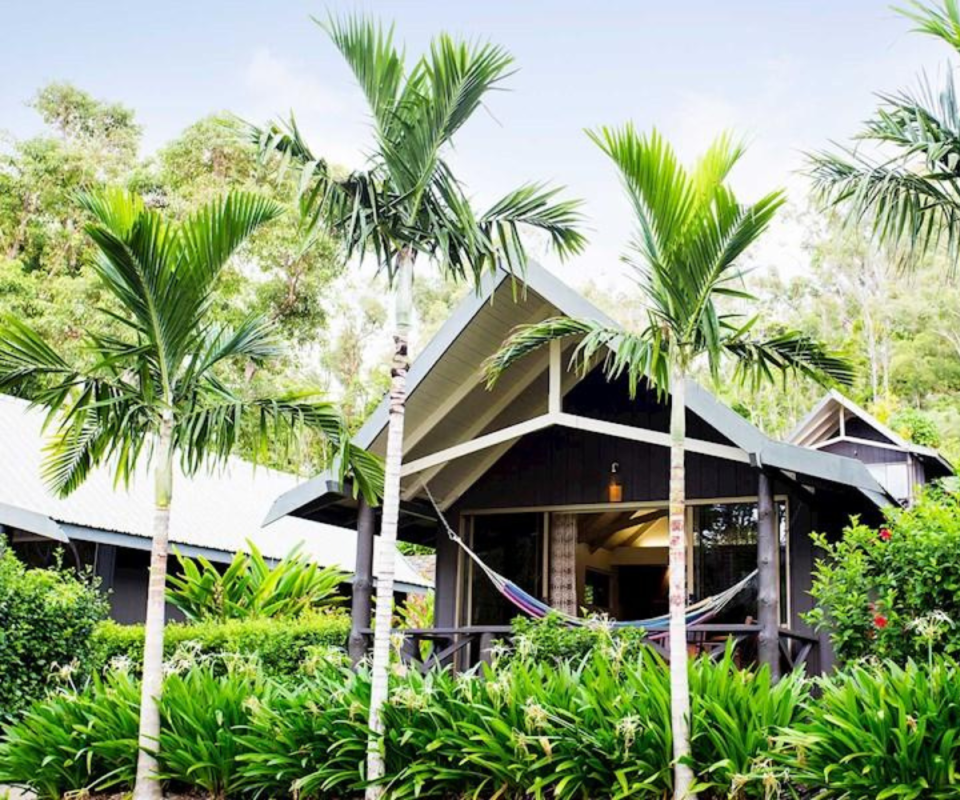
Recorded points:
817,427
447,403
212,514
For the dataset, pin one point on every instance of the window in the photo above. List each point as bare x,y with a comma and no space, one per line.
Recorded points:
725,552
895,478
596,590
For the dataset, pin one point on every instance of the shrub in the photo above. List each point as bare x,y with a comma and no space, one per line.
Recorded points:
879,731
551,638
310,739
893,592
75,740
734,713
916,426
47,617
283,648
203,714
250,587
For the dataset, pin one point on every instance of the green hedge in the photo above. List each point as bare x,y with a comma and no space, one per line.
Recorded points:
47,617
283,648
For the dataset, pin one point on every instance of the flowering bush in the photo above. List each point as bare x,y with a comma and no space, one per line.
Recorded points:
893,592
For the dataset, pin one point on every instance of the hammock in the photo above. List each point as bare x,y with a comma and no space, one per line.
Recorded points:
698,613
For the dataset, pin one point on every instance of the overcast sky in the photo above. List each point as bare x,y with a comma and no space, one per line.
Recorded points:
789,75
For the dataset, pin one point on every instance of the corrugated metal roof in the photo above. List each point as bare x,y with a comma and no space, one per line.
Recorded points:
218,510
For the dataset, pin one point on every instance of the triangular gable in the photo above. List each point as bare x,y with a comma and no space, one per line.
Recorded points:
448,406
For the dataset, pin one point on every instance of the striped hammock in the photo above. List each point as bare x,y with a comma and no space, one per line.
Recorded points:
698,613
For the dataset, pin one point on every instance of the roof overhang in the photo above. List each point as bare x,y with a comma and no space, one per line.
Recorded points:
451,413
31,522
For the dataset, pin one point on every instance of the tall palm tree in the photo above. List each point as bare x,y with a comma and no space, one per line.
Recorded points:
691,232
903,174
407,205
153,389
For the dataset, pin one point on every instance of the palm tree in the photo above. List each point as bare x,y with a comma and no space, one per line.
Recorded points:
407,205
153,389
903,175
691,232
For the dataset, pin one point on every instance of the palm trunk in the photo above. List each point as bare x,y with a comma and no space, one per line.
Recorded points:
679,679
147,787
384,568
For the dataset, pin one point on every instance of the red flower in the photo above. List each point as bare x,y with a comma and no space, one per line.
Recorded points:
880,621
885,535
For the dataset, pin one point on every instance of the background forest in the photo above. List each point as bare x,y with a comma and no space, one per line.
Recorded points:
901,328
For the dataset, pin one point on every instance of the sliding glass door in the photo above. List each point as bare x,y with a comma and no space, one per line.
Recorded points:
725,552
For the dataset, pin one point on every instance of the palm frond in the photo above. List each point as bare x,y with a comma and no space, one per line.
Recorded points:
911,196
532,206
940,21
209,429
786,353
213,232
377,65
95,422
637,356
25,356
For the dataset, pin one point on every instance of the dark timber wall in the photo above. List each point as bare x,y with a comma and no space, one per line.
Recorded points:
561,466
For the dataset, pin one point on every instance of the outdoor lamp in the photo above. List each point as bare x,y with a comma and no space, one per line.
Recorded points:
614,487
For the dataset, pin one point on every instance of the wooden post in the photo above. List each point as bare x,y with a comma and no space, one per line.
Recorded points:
768,564
361,604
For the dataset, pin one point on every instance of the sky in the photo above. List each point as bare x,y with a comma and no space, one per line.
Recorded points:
788,75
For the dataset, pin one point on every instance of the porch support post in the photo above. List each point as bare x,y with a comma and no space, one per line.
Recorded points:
768,565
563,563
361,604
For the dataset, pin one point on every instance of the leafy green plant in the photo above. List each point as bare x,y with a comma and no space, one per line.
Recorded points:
916,426
204,713
47,617
250,587
75,740
310,739
874,586
879,731
282,648
553,639
735,713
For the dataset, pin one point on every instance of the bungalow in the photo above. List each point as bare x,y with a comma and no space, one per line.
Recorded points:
108,528
838,425
558,481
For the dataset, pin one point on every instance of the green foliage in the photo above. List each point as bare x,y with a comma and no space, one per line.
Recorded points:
310,739
75,740
284,648
46,620
879,731
593,727
407,201
204,714
250,587
903,182
916,426
552,639
692,236
734,713
417,611
894,592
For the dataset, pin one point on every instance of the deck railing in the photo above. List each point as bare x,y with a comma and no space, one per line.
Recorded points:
465,647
